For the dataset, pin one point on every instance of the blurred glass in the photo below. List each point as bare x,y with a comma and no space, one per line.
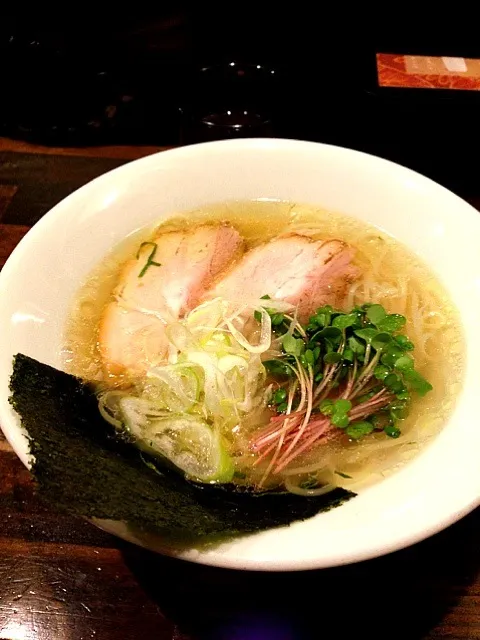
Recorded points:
229,100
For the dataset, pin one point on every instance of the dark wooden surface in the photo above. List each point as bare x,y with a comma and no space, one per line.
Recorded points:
63,579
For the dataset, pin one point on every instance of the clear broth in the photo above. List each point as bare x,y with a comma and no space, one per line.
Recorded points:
392,276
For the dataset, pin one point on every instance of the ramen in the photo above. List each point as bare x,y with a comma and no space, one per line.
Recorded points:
268,344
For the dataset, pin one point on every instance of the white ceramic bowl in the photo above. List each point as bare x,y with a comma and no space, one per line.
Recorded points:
37,284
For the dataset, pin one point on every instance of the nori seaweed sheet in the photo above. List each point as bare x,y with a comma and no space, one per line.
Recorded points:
82,467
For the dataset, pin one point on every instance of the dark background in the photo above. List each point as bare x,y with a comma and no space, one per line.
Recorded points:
83,78
75,78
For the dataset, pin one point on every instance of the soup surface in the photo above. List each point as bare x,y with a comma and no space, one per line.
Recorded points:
389,275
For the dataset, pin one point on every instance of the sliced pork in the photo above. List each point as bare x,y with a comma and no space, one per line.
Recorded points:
168,277
293,268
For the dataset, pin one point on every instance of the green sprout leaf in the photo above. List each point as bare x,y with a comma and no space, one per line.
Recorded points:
289,344
322,317
356,346
404,343
392,431
328,332
294,346
393,382
345,321
326,407
381,372
376,313
342,406
404,363
417,382
277,319
390,355
381,340
340,420
332,358
392,322
279,396
399,410
366,334
357,430
278,367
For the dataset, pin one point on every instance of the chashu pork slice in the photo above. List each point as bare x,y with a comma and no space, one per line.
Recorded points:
156,288
293,268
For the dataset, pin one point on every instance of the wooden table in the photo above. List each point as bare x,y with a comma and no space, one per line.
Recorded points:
63,579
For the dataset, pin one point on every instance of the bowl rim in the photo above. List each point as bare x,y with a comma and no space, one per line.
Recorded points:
12,429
